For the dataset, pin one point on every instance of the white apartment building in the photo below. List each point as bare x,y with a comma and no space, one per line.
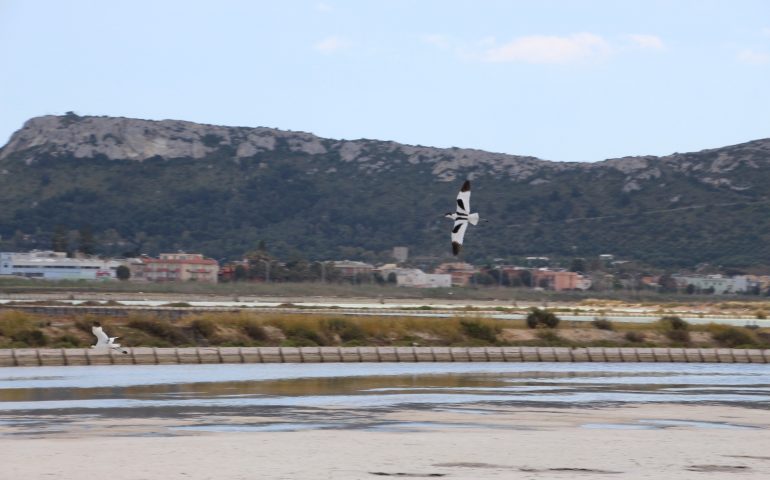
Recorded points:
414,277
49,265
720,284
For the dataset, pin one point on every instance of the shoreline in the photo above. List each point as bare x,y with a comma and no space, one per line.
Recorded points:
488,441
32,357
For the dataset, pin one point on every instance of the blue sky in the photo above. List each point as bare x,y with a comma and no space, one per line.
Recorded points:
579,80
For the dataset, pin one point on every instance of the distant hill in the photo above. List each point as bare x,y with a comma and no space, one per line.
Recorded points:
167,185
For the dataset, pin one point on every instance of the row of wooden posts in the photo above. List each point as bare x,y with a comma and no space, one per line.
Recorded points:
23,357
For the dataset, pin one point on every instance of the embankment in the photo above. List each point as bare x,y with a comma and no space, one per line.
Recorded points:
200,355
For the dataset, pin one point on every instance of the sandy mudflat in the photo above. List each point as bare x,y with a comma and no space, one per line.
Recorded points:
635,442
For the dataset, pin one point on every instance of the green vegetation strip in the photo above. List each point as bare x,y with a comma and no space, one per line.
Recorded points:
21,329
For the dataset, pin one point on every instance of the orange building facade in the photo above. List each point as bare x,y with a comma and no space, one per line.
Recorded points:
178,267
559,280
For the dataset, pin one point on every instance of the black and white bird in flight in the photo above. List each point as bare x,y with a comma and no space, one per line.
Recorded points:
103,342
462,217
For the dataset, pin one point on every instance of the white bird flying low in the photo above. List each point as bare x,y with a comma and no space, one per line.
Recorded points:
462,217
104,342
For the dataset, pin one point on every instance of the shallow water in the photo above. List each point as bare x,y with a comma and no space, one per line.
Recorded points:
377,385
292,397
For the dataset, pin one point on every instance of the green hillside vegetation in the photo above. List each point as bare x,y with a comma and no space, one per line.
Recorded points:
320,207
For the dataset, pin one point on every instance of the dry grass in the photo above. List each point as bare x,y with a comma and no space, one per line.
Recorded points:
12,322
250,328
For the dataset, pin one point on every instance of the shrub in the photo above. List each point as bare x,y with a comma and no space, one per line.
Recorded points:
678,336
672,322
123,272
731,337
302,336
160,329
32,338
204,327
542,318
254,330
602,324
12,322
479,330
84,325
67,341
348,331
675,329
634,337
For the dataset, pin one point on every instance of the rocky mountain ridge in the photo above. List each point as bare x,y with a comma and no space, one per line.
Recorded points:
134,139
182,185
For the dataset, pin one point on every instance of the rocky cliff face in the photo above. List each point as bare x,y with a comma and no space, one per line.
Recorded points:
134,139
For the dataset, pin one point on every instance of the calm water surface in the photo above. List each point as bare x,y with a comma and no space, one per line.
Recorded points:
306,396
373,385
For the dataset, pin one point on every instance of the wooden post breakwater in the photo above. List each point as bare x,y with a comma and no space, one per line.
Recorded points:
24,357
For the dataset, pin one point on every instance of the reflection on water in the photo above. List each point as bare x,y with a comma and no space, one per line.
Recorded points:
291,397
377,384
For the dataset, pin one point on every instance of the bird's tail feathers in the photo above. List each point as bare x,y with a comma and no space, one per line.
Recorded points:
473,218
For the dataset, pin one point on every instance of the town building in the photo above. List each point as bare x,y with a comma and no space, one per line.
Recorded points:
353,270
716,284
461,273
559,280
759,283
229,271
50,265
414,277
388,271
176,267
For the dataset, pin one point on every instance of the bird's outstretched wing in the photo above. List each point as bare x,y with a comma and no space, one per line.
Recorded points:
102,340
464,198
458,232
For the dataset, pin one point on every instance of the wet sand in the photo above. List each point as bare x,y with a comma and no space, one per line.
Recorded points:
671,441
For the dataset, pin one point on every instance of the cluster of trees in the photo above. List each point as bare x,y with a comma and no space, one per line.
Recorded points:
81,240
259,265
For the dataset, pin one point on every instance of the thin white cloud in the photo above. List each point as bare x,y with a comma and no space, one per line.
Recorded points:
437,40
753,57
487,42
331,44
549,49
323,7
766,32
648,42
